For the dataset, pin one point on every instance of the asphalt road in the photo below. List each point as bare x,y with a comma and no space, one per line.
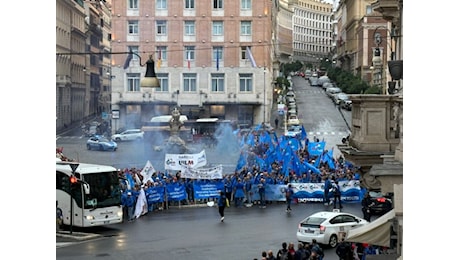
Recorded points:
197,233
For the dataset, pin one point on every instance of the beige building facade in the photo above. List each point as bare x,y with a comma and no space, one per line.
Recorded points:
202,52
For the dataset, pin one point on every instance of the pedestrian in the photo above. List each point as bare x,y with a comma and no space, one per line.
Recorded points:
291,251
289,195
128,203
316,248
283,252
261,187
366,203
238,192
344,251
276,122
248,189
264,255
270,255
335,188
222,203
300,253
327,187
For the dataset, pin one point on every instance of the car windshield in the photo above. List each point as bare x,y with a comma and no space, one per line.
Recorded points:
312,221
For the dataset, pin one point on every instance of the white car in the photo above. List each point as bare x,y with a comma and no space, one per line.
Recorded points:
327,227
293,131
293,120
129,135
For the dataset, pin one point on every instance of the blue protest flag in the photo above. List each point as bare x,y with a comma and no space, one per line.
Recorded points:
250,141
241,162
312,168
316,148
130,179
303,133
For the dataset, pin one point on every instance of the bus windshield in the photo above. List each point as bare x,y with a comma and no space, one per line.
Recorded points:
104,190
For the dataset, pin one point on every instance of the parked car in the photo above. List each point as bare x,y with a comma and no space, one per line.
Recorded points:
329,85
331,91
326,227
314,81
290,94
129,135
323,79
293,131
101,143
339,97
293,120
380,204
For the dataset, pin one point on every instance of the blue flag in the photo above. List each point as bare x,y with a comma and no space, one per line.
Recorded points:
241,162
316,148
303,133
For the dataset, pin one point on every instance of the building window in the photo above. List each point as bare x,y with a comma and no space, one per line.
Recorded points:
189,4
134,49
161,53
164,82
218,4
162,4
189,28
161,27
246,5
133,81
217,82
217,51
245,82
217,28
133,4
245,28
244,56
189,53
133,27
189,82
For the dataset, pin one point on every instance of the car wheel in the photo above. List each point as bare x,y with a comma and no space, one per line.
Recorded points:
88,147
101,148
117,139
333,241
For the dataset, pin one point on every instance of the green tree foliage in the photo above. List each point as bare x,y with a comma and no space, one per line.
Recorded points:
348,82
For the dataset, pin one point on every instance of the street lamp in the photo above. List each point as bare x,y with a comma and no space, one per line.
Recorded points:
264,94
150,80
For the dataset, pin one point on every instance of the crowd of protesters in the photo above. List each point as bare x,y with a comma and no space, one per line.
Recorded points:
313,251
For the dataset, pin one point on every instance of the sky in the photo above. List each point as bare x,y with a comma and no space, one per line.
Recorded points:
430,116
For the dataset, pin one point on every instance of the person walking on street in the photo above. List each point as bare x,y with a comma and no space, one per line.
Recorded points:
276,122
335,188
221,204
261,187
327,186
289,195
366,203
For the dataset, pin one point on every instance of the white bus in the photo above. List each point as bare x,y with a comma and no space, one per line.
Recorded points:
95,200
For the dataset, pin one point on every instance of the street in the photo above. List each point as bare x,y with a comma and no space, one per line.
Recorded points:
196,232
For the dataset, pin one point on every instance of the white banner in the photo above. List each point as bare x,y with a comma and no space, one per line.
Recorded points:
177,161
202,173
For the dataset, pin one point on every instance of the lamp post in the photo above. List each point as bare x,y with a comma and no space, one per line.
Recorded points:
264,95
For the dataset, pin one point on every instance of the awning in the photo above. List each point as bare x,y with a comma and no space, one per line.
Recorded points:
376,232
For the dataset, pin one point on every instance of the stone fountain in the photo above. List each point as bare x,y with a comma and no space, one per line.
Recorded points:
174,144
